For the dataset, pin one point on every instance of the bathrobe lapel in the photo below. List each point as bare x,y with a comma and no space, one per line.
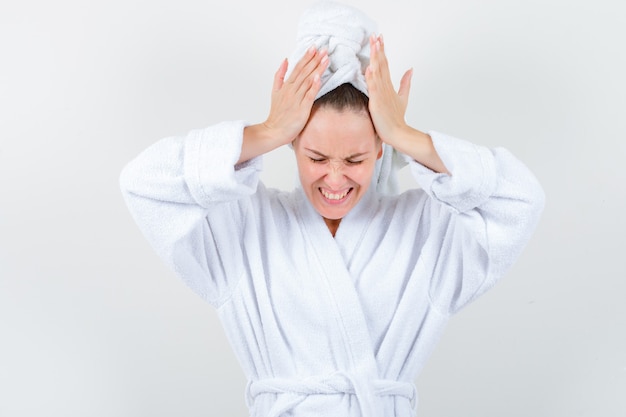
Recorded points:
333,257
353,227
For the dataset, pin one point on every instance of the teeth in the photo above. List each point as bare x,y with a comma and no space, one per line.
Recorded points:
332,196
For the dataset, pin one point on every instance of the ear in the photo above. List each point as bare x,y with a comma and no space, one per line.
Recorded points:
292,144
380,149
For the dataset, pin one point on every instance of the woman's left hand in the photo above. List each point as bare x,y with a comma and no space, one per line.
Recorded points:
386,107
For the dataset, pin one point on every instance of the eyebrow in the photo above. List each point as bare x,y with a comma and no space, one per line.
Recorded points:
356,155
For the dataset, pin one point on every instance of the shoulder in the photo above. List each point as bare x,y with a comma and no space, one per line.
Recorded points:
268,201
408,200
412,210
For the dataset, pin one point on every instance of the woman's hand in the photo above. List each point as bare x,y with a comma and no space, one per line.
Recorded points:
387,109
291,105
292,99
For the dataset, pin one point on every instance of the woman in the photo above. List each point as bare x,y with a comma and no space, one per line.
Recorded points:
333,295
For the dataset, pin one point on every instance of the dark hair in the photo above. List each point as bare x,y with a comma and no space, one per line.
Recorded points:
346,96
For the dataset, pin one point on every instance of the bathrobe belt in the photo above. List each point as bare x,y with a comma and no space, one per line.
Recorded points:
294,391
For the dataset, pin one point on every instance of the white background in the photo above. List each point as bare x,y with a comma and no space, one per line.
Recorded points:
92,323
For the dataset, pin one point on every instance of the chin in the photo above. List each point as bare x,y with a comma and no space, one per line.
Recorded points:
334,213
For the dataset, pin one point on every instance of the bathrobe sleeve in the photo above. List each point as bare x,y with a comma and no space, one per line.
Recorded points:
189,199
482,215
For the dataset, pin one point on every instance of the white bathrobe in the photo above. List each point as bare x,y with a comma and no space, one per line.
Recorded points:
329,326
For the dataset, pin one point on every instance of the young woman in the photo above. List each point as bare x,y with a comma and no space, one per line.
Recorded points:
333,295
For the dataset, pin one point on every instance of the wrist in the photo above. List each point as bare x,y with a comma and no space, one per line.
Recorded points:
274,135
403,138
258,139
419,146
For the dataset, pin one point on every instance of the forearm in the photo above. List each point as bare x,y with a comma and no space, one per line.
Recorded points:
187,199
258,139
480,177
419,146
197,168
492,201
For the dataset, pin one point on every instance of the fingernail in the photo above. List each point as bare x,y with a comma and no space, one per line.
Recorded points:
311,49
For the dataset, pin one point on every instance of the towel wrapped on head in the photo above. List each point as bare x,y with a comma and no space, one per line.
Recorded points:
345,31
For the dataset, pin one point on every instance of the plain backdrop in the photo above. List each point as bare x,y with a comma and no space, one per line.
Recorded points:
93,324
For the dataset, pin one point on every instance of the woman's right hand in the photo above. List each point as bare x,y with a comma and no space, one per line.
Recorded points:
291,104
292,99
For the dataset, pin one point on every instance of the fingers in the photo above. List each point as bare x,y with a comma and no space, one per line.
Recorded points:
312,62
279,77
308,56
311,73
314,87
292,99
305,79
387,107
378,59
405,84
377,73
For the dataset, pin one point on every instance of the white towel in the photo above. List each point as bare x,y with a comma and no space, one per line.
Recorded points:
345,31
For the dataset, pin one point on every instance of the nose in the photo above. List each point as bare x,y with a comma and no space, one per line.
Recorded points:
334,175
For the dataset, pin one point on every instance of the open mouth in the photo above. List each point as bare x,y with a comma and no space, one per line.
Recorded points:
336,198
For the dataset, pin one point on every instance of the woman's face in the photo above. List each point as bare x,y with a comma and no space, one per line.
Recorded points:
336,155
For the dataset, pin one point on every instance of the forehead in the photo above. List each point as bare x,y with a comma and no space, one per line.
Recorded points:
333,130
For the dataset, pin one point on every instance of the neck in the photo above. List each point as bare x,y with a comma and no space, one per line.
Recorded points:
333,225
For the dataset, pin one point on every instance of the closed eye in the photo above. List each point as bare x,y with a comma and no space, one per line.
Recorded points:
350,162
317,160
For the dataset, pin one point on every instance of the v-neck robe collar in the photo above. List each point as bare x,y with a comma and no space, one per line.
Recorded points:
333,256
